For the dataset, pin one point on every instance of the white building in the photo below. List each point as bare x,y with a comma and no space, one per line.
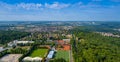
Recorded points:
50,55
11,44
15,42
1,49
23,42
30,59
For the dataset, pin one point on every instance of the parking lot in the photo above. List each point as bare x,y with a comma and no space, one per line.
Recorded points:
10,58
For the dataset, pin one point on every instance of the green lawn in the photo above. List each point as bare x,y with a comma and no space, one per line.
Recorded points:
62,54
39,53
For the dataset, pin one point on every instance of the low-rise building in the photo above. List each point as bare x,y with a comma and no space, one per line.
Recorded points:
11,44
66,40
2,49
50,55
23,42
66,47
60,42
30,59
15,42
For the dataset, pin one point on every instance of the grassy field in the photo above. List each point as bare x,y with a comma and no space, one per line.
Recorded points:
39,53
62,54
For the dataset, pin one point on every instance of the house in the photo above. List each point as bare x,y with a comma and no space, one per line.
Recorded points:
63,44
66,47
60,42
66,40
49,40
69,36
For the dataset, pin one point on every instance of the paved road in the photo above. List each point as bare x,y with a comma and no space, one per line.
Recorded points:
71,55
47,60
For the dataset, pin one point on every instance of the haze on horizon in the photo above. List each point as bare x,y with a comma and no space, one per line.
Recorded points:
60,10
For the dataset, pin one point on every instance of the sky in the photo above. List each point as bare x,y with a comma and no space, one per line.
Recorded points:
59,10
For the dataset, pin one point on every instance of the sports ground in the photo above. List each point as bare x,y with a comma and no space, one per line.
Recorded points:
39,53
63,54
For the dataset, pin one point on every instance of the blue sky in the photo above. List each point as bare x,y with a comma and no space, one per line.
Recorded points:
59,10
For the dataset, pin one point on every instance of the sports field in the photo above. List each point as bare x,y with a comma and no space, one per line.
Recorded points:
62,54
39,53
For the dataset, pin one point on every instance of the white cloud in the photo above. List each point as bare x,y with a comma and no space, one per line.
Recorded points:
56,5
90,5
33,6
26,6
6,6
29,6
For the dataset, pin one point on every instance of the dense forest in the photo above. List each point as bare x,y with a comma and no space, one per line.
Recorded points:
110,27
93,47
7,36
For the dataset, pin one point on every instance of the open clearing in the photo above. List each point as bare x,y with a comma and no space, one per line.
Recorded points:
10,58
62,54
39,53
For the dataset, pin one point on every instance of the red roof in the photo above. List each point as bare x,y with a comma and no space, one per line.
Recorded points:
60,42
66,47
